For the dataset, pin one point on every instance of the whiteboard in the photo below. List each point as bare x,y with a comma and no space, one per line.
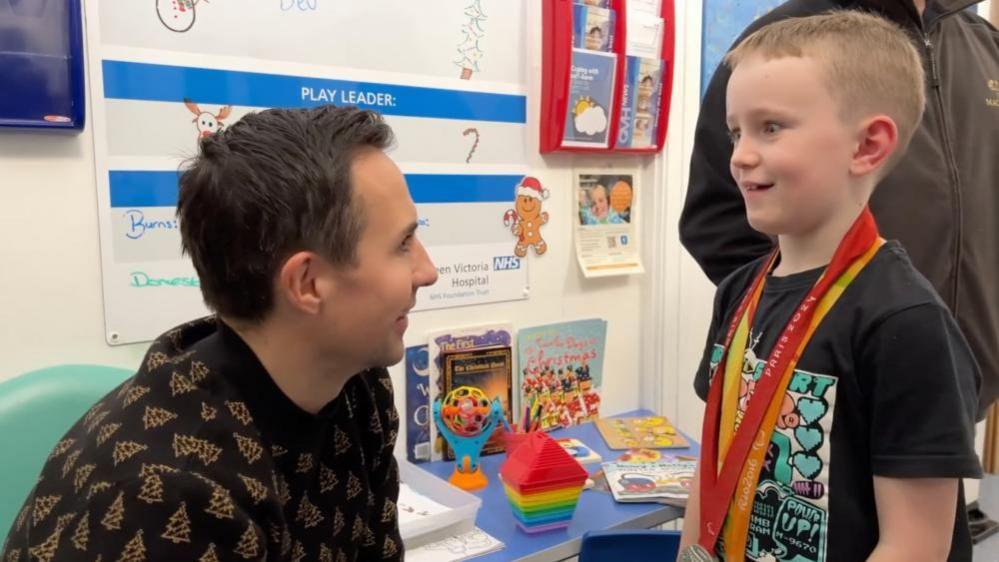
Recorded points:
449,76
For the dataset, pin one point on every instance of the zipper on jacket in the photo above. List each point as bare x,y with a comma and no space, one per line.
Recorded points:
955,179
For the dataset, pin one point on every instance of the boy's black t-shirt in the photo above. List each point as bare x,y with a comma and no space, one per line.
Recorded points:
887,386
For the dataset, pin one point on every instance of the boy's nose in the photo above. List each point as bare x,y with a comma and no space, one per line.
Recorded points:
743,155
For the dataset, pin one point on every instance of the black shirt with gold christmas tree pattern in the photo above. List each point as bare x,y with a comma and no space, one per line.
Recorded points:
201,457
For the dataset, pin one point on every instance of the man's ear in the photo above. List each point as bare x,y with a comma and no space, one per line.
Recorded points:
877,141
299,282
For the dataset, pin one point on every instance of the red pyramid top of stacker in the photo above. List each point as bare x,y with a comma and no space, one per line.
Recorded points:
541,464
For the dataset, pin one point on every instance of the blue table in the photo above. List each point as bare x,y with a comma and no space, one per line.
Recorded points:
596,510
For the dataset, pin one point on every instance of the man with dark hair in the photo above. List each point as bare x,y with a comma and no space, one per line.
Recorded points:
265,432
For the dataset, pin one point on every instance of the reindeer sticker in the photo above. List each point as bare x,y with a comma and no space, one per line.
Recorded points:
206,123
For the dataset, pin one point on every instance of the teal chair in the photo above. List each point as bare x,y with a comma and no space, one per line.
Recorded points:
36,410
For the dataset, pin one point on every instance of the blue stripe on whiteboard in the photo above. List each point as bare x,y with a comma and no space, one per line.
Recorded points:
159,189
143,189
155,82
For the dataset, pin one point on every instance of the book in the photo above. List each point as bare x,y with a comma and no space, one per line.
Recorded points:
640,100
592,28
458,339
649,432
670,478
591,91
417,371
491,371
579,451
561,369
454,549
594,3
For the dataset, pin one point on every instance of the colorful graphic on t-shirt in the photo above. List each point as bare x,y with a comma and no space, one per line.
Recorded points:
791,510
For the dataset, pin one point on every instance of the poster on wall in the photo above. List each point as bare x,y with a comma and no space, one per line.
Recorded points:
723,21
166,73
606,223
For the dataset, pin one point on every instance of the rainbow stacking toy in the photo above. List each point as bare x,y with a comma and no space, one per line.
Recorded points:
543,483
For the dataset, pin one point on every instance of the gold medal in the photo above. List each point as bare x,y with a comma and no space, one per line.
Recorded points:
695,553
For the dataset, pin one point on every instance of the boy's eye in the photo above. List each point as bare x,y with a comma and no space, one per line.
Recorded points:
771,128
406,243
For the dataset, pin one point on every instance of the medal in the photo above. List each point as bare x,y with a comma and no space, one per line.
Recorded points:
719,479
695,553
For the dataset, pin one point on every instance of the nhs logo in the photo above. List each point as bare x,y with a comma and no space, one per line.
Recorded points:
503,263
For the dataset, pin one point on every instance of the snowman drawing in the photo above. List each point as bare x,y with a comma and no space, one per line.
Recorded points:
176,15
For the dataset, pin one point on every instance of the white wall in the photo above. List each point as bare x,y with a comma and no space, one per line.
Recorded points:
50,294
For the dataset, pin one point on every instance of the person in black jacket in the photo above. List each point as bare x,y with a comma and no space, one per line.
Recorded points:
941,201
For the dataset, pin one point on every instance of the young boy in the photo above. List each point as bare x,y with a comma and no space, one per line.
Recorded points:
840,393
265,432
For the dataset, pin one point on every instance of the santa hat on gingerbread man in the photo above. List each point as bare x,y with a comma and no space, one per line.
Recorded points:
531,187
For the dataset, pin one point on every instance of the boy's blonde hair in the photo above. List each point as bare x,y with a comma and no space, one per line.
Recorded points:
871,65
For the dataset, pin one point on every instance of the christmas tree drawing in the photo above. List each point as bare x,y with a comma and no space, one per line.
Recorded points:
82,533
327,478
179,384
389,548
239,411
469,50
388,511
43,506
308,514
45,551
207,412
341,442
115,513
338,522
305,463
255,487
221,505
134,394
135,550
106,432
354,486
198,371
250,449
249,546
124,450
70,462
61,447
81,476
178,527
157,417
209,555
152,489
205,451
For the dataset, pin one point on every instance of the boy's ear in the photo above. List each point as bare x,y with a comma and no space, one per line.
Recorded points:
877,141
301,284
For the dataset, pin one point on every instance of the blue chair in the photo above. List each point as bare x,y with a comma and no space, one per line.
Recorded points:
36,410
629,544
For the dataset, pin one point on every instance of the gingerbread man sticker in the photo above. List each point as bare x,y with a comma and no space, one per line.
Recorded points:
526,219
